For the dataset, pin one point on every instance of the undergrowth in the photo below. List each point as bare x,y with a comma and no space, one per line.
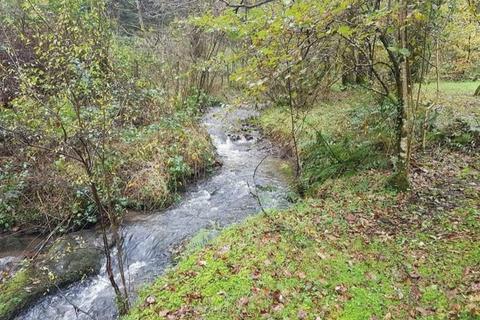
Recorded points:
151,163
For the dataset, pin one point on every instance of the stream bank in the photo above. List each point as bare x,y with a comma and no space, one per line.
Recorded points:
228,196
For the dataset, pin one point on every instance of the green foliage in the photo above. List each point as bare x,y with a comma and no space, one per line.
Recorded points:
160,158
459,135
459,41
94,107
12,184
366,144
178,169
83,209
195,102
349,134
325,158
278,53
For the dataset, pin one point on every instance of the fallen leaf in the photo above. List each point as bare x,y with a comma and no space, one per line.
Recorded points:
150,300
163,313
341,289
277,307
278,297
243,301
350,218
302,314
475,287
222,251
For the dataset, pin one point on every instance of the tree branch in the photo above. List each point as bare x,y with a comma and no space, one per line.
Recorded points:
246,6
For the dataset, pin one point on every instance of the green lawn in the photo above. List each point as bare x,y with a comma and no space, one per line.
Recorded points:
360,253
453,88
456,101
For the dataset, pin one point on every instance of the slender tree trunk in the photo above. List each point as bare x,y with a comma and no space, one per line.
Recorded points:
437,68
400,178
106,247
140,15
293,129
437,95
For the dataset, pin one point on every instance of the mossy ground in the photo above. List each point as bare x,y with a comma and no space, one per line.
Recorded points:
357,251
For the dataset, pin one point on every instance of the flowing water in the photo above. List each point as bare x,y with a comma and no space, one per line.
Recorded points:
228,196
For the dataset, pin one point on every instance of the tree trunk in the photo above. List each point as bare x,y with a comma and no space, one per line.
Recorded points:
140,16
400,177
121,300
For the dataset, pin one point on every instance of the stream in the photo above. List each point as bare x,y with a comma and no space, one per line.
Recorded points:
228,196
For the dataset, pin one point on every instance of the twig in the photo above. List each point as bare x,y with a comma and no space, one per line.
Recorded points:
246,6
75,307
256,196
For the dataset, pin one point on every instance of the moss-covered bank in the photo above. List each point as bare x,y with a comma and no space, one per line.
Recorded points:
68,260
356,252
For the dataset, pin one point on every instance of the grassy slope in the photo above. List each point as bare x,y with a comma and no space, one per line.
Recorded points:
455,98
354,250
330,118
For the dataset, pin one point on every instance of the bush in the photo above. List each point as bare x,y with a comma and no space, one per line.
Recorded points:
161,158
12,185
326,158
459,135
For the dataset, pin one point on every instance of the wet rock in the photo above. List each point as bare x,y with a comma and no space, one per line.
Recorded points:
67,260
70,259
234,137
13,245
248,137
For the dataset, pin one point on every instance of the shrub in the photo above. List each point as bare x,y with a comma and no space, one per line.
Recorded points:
12,185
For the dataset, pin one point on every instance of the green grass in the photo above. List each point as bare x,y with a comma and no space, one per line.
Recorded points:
340,136
453,88
330,117
455,101
327,259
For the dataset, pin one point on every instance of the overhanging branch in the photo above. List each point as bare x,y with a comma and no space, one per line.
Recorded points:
246,6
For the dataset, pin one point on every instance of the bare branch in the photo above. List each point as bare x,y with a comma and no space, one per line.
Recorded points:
246,6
